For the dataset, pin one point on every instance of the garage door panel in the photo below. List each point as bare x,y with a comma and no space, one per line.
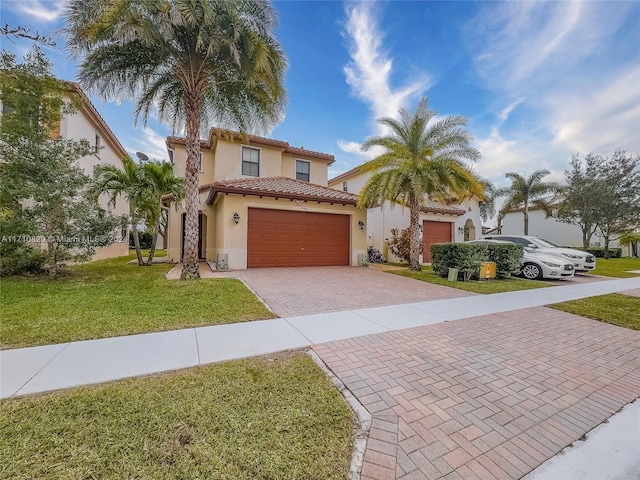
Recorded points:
281,238
434,232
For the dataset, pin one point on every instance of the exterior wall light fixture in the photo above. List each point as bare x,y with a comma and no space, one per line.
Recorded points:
361,224
236,218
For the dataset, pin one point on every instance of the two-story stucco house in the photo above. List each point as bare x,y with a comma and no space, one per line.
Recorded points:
454,222
551,229
264,203
86,123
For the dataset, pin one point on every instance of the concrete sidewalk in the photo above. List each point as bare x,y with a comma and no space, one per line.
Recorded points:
52,367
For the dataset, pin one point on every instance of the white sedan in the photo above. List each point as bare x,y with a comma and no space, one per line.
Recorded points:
582,261
538,266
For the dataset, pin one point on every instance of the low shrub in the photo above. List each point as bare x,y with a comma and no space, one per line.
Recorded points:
399,244
467,257
598,252
146,238
508,258
20,259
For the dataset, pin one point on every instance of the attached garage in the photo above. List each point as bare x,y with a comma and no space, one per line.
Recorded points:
434,232
283,238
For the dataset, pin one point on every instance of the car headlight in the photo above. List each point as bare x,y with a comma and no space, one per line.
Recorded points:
571,256
549,264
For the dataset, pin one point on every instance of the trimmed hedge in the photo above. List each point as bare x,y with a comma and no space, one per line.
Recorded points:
598,252
508,258
467,257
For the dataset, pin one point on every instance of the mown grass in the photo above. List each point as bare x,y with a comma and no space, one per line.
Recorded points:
111,297
266,418
616,309
616,267
476,286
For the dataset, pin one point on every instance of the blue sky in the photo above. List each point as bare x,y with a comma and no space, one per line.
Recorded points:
538,81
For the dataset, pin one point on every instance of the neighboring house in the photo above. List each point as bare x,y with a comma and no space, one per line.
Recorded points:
551,229
86,123
454,222
264,203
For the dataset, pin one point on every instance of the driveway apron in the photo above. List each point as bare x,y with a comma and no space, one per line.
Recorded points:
490,397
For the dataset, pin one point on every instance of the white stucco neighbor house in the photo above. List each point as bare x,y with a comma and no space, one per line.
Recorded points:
454,222
552,229
86,123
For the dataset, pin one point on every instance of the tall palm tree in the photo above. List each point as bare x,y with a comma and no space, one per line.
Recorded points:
195,61
161,182
127,183
422,159
527,191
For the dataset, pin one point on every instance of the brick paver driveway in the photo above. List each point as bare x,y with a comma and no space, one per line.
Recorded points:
487,397
309,290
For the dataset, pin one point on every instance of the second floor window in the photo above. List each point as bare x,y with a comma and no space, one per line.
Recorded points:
97,145
345,187
302,170
250,161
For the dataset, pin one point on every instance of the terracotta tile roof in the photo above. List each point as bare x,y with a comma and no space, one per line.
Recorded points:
434,207
278,187
93,112
255,140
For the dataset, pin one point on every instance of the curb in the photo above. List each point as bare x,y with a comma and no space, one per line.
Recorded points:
364,419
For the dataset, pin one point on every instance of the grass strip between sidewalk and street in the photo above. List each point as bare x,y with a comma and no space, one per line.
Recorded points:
616,309
616,267
261,418
476,286
112,297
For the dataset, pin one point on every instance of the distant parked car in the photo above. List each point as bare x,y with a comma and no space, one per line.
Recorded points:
582,261
538,266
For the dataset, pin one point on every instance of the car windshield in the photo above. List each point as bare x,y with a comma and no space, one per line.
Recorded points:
541,242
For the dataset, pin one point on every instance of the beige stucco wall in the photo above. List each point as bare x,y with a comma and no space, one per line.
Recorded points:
225,163
224,236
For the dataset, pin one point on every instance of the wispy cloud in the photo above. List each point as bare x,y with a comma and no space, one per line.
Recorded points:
35,10
550,62
368,73
149,142
601,118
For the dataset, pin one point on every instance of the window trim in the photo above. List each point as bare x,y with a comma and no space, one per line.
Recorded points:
97,145
242,161
302,173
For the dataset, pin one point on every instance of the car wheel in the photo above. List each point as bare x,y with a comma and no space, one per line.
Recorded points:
532,271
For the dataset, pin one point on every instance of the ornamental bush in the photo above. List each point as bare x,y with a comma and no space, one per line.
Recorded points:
598,252
508,258
400,244
467,257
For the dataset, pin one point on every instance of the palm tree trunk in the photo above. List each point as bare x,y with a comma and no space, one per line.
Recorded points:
414,233
190,268
154,239
136,240
526,219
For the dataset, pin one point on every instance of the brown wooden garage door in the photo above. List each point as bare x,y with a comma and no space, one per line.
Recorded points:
434,232
281,238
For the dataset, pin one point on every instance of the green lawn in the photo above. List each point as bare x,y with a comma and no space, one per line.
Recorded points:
477,286
616,267
111,297
266,418
621,310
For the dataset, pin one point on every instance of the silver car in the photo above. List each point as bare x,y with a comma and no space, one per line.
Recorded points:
582,261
